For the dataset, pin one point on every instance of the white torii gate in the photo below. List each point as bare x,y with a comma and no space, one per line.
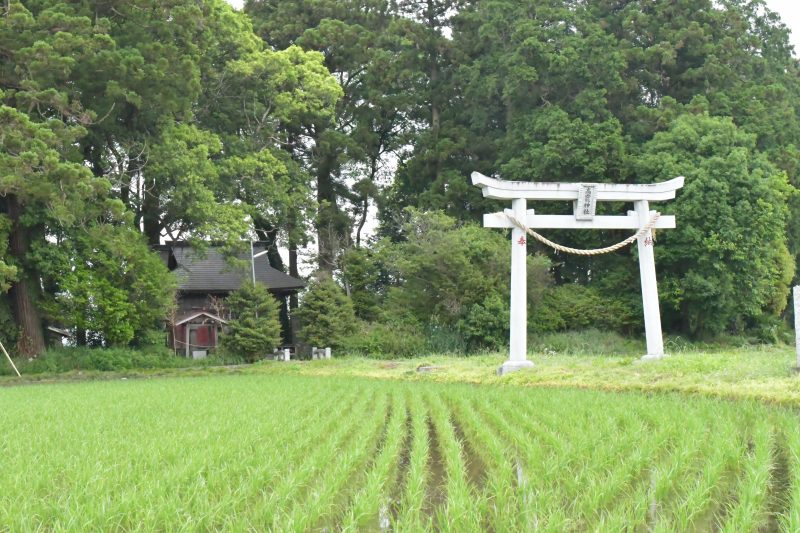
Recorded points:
584,196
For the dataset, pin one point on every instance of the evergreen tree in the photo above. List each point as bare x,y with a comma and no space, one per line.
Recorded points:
367,47
168,118
44,187
547,90
255,329
326,313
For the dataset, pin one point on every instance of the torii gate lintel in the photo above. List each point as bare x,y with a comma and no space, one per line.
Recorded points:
584,196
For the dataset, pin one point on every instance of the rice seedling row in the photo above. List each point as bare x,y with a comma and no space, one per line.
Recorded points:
343,454
411,501
371,501
790,520
460,511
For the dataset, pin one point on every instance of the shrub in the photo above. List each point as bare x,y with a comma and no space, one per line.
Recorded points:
365,276
255,329
453,279
575,307
107,282
326,314
486,325
57,360
380,340
586,342
444,268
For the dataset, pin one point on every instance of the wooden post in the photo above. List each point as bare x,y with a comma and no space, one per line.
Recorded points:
647,270
518,345
9,360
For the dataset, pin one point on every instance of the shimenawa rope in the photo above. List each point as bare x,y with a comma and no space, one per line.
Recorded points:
596,251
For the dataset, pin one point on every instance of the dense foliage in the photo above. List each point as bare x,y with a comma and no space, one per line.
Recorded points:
326,313
106,283
446,279
295,121
597,91
727,264
166,118
255,329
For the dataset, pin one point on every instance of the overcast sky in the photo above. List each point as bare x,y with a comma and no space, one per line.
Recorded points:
789,10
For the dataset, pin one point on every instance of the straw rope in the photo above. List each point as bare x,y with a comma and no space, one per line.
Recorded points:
576,251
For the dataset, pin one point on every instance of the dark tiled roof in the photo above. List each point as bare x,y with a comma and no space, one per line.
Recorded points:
209,271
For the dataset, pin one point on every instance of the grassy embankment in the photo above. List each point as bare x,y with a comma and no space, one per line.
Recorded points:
760,373
764,373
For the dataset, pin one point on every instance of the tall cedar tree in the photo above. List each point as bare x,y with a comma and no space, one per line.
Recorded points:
365,45
44,186
548,90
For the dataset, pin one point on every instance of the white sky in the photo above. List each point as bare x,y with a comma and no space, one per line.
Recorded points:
789,10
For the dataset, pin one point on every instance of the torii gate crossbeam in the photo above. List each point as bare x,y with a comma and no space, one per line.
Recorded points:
584,196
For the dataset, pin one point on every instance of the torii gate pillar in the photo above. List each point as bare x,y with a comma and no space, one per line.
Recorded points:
584,196
518,341
647,272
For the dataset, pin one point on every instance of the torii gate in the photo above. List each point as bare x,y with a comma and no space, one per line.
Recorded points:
584,196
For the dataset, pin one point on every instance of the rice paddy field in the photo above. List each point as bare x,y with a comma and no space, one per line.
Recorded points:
304,453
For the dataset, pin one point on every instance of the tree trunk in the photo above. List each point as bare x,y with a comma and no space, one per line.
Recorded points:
31,340
126,177
373,171
286,326
151,220
293,303
433,55
270,236
327,219
80,337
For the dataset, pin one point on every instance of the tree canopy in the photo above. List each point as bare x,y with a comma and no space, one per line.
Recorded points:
165,118
123,124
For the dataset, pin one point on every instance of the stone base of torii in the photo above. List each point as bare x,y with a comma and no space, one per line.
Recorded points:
584,197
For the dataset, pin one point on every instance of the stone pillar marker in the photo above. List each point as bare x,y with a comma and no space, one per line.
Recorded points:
796,299
583,197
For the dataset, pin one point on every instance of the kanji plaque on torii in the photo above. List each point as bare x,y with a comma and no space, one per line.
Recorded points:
584,196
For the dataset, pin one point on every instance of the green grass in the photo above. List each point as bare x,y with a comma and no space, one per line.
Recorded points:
586,359
764,373
90,360
271,451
